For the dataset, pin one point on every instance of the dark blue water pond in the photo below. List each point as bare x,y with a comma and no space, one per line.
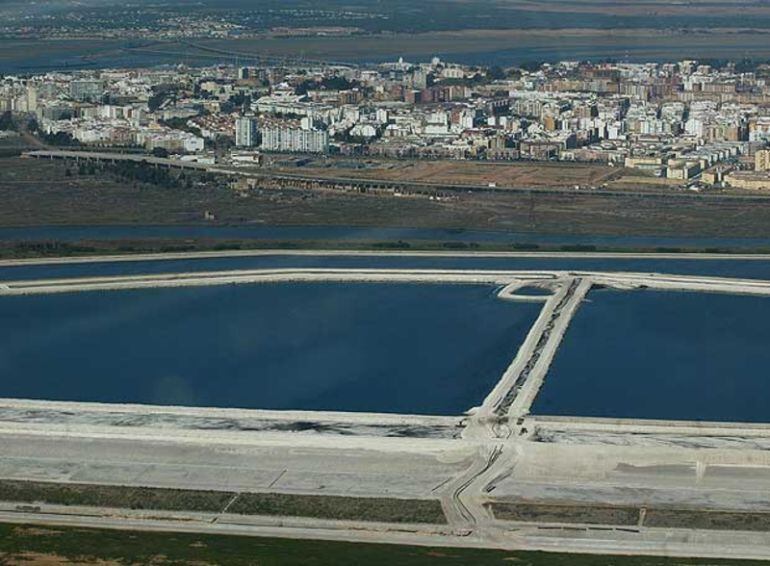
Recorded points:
659,355
424,349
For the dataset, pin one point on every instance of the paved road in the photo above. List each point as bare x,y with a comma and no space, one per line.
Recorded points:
384,253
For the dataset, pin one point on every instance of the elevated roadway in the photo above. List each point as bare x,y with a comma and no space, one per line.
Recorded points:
281,179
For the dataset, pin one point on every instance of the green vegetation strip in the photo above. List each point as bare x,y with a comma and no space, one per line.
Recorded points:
95,248
344,508
60,545
113,496
585,514
629,516
698,519
162,499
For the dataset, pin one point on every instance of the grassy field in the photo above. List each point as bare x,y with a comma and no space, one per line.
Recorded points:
317,506
519,174
59,545
41,192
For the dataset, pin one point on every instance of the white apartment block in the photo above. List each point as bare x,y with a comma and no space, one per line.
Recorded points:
246,131
295,140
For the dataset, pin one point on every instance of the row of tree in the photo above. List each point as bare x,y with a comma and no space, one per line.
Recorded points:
7,122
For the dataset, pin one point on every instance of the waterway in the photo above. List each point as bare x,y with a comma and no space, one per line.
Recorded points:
731,267
113,54
663,355
396,348
361,233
